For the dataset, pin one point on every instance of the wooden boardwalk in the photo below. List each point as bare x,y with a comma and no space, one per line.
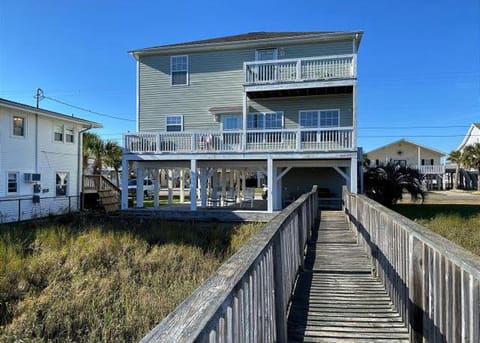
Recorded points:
337,299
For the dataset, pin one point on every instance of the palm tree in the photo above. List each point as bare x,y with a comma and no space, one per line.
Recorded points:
113,157
385,183
93,147
471,159
455,157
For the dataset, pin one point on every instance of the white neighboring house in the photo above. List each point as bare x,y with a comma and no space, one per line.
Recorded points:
40,161
426,160
472,136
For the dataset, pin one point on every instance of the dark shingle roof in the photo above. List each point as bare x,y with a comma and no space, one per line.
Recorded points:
246,37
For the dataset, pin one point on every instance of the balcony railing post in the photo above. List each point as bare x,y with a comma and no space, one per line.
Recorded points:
157,141
299,70
193,143
298,140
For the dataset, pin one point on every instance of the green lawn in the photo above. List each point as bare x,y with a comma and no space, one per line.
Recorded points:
102,279
458,223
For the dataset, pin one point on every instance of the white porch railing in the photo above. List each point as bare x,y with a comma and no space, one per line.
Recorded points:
336,139
300,69
435,169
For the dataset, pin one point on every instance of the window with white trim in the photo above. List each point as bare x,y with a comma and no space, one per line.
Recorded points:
12,182
58,133
317,119
174,123
61,183
231,122
18,128
179,70
269,120
69,135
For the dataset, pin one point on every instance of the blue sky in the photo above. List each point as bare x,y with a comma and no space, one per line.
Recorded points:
419,61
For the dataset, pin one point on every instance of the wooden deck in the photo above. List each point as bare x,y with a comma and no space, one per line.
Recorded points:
337,299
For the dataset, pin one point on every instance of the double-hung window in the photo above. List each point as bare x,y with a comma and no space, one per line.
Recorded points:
174,123
12,182
58,133
61,183
264,121
317,119
18,128
179,70
69,134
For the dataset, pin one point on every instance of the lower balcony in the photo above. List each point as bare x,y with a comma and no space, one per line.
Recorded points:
251,141
430,169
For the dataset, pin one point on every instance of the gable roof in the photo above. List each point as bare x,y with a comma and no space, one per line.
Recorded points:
403,140
19,106
468,135
247,39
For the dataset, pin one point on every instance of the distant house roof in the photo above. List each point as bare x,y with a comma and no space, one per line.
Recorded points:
468,135
47,113
409,142
248,39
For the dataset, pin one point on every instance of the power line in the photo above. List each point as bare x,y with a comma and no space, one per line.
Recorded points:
87,110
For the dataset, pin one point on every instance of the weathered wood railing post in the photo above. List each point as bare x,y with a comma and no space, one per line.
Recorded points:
433,283
246,299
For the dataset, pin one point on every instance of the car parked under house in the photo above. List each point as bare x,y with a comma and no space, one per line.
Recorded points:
281,104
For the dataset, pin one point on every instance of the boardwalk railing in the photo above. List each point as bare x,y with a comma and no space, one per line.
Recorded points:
434,284
246,299
311,139
99,183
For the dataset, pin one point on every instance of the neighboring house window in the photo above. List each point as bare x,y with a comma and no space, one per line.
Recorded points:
271,120
12,182
431,162
69,134
231,122
174,123
58,133
377,162
179,70
61,183
18,126
423,162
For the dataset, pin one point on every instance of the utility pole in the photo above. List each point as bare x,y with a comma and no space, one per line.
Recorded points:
39,96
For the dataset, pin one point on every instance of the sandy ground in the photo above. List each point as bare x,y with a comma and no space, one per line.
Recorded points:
448,197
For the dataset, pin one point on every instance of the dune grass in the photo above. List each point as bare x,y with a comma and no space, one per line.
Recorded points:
102,279
458,223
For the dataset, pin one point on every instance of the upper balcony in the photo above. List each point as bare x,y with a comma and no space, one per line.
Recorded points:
300,72
340,139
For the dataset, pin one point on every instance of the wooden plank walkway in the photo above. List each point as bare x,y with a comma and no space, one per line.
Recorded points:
337,299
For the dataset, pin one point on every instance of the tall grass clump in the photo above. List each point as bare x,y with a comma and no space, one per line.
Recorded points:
103,280
458,223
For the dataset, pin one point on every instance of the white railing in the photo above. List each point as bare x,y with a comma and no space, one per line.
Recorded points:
300,69
435,169
331,139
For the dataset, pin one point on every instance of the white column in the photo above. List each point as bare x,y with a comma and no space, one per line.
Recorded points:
203,187
237,181
244,181
193,185
223,184
182,185
156,187
271,182
244,121
278,203
353,174
215,184
140,177
125,174
170,186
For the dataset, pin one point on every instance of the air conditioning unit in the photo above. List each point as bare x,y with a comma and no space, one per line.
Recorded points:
31,177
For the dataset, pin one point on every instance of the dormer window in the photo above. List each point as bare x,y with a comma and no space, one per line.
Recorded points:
179,70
